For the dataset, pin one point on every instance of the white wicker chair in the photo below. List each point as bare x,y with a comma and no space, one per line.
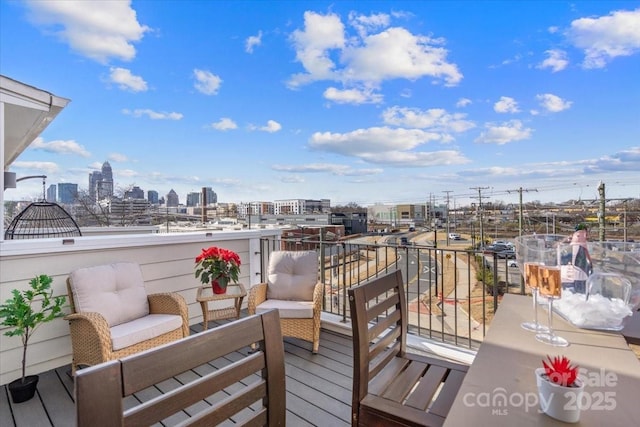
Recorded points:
112,316
294,290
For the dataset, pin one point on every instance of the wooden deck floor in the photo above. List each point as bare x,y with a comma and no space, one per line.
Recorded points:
318,388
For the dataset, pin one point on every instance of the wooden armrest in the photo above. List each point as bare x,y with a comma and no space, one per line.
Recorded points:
257,295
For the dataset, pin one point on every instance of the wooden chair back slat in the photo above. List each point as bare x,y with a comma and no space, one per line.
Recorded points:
102,386
390,386
169,403
151,367
258,377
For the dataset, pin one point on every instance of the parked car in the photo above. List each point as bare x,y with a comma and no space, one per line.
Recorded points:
512,263
507,253
454,236
490,249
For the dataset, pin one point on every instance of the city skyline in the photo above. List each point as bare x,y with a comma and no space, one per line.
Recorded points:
364,102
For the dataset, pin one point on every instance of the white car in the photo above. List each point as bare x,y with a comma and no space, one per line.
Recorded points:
512,263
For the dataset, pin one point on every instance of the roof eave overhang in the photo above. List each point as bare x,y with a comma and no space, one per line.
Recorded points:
27,113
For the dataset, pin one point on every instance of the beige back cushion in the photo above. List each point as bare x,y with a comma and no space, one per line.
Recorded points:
292,275
116,291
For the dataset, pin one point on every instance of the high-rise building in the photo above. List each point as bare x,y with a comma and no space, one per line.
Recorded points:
212,197
105,190
193,199
301,206
135,193
95,178
101,183
173,200
51,193
67,192
152,197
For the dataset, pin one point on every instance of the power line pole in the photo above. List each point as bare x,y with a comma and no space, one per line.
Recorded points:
480,211
520,215
602,213
447,191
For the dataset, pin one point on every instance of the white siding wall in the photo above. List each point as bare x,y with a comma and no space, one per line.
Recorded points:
166,260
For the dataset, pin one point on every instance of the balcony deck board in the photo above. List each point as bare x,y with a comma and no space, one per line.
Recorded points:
318,389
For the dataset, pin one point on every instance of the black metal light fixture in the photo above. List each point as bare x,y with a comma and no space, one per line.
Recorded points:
42,219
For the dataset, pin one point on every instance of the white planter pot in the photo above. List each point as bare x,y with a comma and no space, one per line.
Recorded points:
561,403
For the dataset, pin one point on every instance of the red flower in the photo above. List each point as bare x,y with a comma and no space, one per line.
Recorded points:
560,371
215,263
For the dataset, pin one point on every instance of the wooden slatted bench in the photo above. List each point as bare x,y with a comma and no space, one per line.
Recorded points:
250,391
390,386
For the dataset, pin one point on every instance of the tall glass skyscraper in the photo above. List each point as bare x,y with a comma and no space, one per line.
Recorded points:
67,192
101,183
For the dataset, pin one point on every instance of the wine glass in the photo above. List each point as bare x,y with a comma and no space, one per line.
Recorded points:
550,286
531,270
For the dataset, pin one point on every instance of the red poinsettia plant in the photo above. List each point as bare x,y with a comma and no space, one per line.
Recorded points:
217,264
560,371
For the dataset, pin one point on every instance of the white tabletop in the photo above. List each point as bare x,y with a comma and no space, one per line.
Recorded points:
504,369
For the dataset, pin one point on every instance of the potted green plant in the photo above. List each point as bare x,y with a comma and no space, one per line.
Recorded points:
560,389
23,314
217,266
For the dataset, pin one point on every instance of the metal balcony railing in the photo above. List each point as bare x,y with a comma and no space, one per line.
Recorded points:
450,291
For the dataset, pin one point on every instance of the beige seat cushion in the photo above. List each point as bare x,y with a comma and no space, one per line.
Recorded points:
288,309
115,290
142,329
292,275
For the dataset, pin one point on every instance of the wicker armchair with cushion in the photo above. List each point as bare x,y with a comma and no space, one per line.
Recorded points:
293,288
112,315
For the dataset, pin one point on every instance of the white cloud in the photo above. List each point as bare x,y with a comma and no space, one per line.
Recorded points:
127,81
372,139
253,41
47,167
553,103
364,24
606,37
207,82
98,30
463,102
406,55
504,133
384,145
292,179
506,105
321,33
59,147
153,115
352,96
271,127
118,157
334,169
434,119
556,60
224,123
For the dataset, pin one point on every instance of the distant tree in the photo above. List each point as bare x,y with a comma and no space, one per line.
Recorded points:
348,208
115,210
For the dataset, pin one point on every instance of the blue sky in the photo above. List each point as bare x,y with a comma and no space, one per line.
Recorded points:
380,101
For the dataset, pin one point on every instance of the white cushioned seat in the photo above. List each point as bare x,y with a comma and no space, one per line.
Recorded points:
115,290
142,329
292,275
288,309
